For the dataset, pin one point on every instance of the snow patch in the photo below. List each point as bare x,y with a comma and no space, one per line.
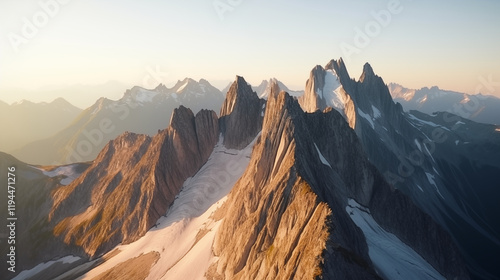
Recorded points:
422,100
67,170
321,157
184,252
366,117
392,258
95,110
422,122
376,112
144,96
182,87
25,274
332,92
430,178
418,145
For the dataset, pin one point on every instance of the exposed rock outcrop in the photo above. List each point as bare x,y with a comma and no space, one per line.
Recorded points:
133,182
295,190
241,115
330,87
388,137
278,224
311,101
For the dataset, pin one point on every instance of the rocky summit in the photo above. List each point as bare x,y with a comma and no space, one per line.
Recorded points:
132,183
286,217
241,114
337,183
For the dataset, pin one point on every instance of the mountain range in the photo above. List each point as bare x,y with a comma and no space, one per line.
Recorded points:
139,110
477,107
25,121
339,182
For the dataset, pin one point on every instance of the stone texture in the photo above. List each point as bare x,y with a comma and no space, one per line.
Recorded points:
132,183
385,139
288,192
241,115
279,223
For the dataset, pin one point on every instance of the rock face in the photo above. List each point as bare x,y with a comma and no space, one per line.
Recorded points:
241,115
422,156
311,101
329,87
132,183
282,226
285,217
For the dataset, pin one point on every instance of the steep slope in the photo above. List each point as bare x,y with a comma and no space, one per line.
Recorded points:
241,115
285,218
326,87
132,182
420,157
183,238
34,240
139,110
479,108
26,121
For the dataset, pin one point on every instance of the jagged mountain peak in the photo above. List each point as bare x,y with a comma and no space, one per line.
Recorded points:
181,117
307,160
241,114
241,83
161,88
274,87
240,91
367,72
317,71
132,182
339,67
278,104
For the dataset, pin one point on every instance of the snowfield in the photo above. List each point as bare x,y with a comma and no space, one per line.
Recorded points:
391,257
67,170
366,117
332,92
184,237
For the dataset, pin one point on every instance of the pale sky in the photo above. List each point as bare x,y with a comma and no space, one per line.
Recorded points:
450,44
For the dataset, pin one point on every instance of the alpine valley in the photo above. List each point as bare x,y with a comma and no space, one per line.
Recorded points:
334,182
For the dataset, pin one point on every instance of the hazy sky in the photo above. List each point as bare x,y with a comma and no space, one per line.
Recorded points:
451,44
